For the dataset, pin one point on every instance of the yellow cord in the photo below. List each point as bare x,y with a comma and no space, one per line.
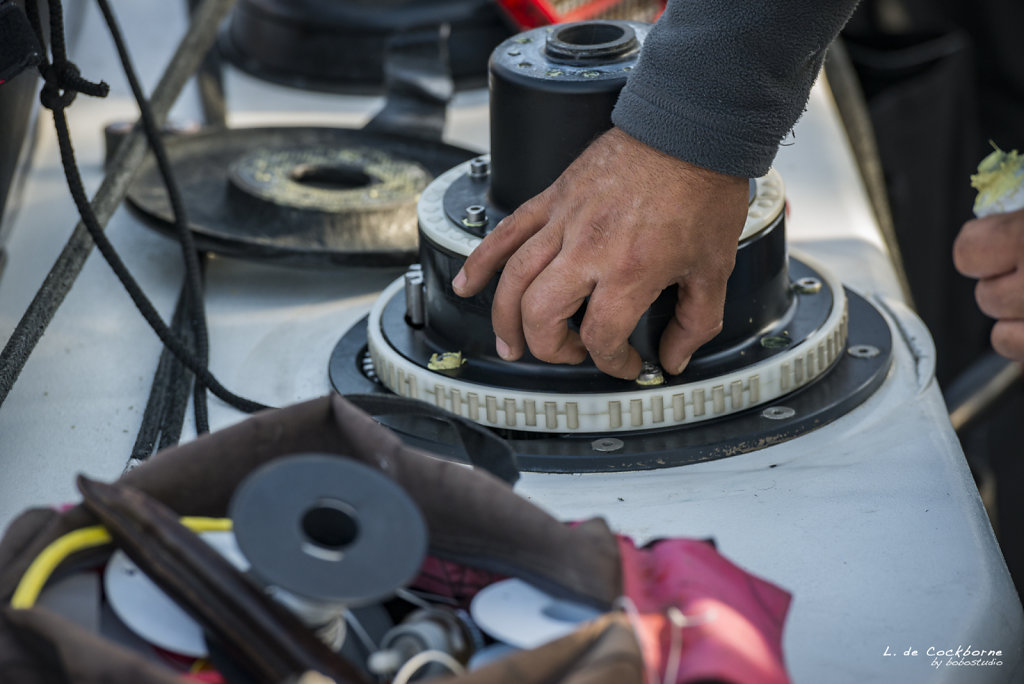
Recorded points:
34,579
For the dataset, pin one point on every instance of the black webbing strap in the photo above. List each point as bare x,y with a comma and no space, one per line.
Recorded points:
483,448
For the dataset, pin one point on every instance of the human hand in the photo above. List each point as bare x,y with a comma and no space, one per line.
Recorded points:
621,224
992,250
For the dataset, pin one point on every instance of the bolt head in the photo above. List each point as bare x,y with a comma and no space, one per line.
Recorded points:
650,375
863,351
778,413
607,444
807,286
480,167
476,215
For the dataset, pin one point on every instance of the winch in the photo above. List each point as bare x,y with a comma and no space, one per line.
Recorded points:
796,351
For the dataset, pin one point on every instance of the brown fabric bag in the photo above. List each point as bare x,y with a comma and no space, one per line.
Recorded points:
472,518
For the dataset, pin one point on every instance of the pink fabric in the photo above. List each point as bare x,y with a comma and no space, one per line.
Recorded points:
454,580
205,677
737,619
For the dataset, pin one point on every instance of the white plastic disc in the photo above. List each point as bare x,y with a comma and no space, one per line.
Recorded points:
152,614
520,615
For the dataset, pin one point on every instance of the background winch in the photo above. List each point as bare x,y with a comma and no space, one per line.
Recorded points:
796,350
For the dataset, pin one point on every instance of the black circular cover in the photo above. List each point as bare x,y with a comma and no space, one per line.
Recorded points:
340,45
286,517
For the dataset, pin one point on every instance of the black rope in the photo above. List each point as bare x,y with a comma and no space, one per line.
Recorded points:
168,396
193,274
62,82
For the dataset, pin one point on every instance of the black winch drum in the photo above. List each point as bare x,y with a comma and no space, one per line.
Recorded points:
780,367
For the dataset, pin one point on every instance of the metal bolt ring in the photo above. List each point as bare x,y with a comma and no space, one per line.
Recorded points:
778,413
607,444
807,286
863,351
476,215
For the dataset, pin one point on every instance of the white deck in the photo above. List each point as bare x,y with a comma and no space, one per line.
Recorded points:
872,522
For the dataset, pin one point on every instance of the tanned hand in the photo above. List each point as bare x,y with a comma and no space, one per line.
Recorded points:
622,223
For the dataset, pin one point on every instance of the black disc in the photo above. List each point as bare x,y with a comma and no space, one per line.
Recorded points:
328,529
298,196
341,45
856,375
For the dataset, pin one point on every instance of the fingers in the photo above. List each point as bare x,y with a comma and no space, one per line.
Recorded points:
612,314
495,250
992,250
547,305
521,270
990,246
697,319
1008,339
1002,296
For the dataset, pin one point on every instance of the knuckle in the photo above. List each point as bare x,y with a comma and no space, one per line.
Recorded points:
528,211
544,352
714,328
1008,340
702,323
987,299
598,341
552,348
517,270
539,310
617,366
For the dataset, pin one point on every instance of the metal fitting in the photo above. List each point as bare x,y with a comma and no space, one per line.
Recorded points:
863,351
607,444
650,375
414,297
480,167
807,286
476,215
778,413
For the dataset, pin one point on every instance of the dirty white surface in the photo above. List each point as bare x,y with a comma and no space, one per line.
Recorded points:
872,522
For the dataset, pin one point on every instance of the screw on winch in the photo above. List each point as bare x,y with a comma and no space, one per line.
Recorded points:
476,216
607,444
807,286
414,297
863,351
480,168
778,412
650,375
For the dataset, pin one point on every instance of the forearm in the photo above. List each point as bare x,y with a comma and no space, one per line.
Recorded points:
721,82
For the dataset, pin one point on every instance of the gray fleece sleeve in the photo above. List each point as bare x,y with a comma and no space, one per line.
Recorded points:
719,83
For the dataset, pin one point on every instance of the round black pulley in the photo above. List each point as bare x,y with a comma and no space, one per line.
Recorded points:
298,196
341,45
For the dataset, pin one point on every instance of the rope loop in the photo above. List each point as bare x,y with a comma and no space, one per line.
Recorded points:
62,81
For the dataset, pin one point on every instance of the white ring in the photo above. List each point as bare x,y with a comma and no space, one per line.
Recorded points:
654,407
769,201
